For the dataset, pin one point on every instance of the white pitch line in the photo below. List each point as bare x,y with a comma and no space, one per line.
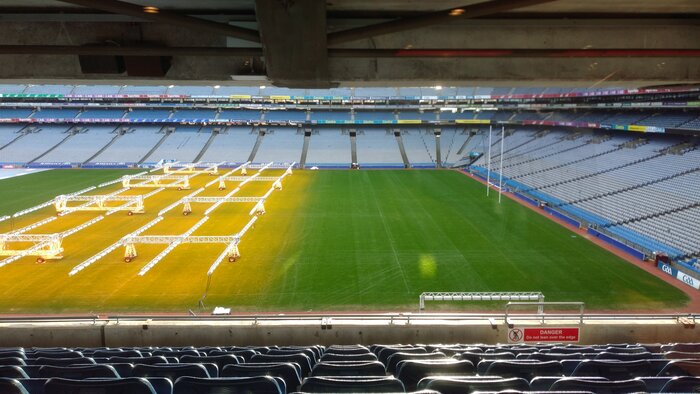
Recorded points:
33,226
170,247
112,247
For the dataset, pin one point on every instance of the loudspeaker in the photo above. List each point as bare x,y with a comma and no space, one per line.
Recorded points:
147,66
90,64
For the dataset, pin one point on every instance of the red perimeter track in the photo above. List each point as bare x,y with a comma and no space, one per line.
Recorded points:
694,295
693,305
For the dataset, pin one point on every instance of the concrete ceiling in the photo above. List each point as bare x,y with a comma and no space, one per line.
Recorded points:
311,43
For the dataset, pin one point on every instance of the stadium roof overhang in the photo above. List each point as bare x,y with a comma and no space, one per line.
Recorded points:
311,43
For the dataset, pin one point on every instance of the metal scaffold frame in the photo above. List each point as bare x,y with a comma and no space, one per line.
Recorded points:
192,168
179,182
132,204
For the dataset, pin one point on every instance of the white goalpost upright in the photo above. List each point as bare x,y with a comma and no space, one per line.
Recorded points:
488,165
500,172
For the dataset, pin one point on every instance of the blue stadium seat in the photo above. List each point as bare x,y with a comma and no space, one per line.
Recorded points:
351,349
299,358
349,357
396,358
410,372
384,354
318,384
247,354
682,384
171,372
116,353
454,385
614,370
348,368
257,384
61,362
139,360
12,361
220,361
101,386
525,370
288,372
599,386
78,372
12,371
681,368
12,386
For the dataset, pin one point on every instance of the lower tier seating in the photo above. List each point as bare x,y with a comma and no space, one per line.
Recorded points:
397,368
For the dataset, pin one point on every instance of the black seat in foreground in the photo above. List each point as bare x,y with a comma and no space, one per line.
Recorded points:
323,384
61,362
344,368
257,385
681,368
396,358
12,386
12,361
299,358
220,361
286,371
599,386
116,353
78,372
349,357
682,384
171,371
455,385
12,371
138,360
347,349
410,372
525,370
614,370
101,386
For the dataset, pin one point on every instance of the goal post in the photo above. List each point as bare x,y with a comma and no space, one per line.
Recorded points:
481,296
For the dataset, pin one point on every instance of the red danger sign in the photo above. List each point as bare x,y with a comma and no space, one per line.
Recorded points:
551,334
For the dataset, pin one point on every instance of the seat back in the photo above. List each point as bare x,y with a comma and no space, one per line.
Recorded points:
172,371
384,354
681,368
340,368
78,372
349,357
102,386
257,384
614,370
324,384
61,362
299,358
396,358
410,372
448,385
12,361
139,360
220,361
285,371
682,384
12,371
525,370
599,386
12,386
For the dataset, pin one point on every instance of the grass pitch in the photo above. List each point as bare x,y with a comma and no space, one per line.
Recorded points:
331,240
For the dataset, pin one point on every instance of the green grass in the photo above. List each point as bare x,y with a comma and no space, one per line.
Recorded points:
33,189
337,240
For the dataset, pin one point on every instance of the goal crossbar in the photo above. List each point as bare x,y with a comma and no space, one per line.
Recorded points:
479,296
